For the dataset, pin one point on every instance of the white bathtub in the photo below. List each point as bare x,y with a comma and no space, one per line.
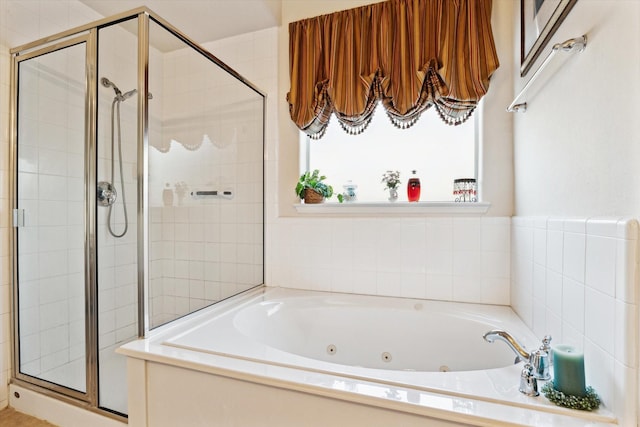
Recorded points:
335,356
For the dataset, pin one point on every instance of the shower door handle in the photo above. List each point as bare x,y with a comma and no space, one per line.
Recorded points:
18,218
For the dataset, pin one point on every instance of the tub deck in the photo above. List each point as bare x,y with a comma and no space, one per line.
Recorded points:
484,397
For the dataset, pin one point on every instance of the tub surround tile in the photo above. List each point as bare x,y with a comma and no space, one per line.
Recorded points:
555,249
573,303
430,247
575,225
627,270
604,227
626,339
573,256
600,264
594,261
600,319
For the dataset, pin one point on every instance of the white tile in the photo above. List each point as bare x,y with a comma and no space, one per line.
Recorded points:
522,241
628,229
555,224
342,280
600,319
413,260
52,212
341,257
604,227
600,373
365,282
466,234
539,285
388,284
495,290
554,292
627,270
439,262
573,303
575,225
53,263
625,394
413,285
51,187
522,274
467,289
495,236
601,264
53,289
439,287
470,264
626,333
495,264
555,249
53,162
413,234
573,256
554,326
439,234
539,317
540,246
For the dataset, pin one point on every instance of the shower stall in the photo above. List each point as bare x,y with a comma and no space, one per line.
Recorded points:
137,193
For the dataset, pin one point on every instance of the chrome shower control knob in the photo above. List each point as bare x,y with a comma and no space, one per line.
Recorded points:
106,194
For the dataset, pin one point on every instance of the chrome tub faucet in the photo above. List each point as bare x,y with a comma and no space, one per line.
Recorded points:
536,361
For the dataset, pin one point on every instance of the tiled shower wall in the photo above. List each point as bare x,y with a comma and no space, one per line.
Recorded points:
577,280
204,248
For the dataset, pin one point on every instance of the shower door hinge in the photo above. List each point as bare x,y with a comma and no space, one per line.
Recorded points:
18,217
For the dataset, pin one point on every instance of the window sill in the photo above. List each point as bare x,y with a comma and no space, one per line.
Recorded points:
396,208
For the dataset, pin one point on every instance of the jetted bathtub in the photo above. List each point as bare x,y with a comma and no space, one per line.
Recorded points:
280,357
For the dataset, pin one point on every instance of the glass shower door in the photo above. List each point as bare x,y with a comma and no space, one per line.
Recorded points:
50,216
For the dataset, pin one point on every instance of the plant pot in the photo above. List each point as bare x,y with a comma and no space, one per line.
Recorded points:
312,196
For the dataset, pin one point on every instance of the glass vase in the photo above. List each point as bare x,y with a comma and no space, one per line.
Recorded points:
393,194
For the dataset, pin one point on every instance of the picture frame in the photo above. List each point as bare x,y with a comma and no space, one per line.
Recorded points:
539,20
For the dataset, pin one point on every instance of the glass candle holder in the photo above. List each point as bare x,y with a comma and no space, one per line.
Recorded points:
465,190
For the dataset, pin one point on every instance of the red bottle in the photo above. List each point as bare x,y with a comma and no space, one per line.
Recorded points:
413,188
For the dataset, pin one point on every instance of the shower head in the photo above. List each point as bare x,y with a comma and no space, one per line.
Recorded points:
128,95
108,83
119,95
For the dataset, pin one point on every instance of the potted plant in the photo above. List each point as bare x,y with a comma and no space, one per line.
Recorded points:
311,189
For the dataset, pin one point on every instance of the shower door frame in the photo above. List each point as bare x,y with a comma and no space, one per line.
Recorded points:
89,38
89,34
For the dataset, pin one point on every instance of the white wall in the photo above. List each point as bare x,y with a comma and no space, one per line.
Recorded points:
577,147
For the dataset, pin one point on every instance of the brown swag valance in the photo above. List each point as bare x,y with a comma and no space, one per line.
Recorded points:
408,54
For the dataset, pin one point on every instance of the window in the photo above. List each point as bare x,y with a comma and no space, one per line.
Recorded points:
438,152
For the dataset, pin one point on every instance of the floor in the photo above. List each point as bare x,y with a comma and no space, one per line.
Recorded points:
9,417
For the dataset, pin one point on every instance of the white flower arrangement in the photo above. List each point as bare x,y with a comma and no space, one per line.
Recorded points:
391,179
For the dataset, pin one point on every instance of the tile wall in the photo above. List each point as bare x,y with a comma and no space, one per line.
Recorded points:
577,280
204,248
442,258
117,257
